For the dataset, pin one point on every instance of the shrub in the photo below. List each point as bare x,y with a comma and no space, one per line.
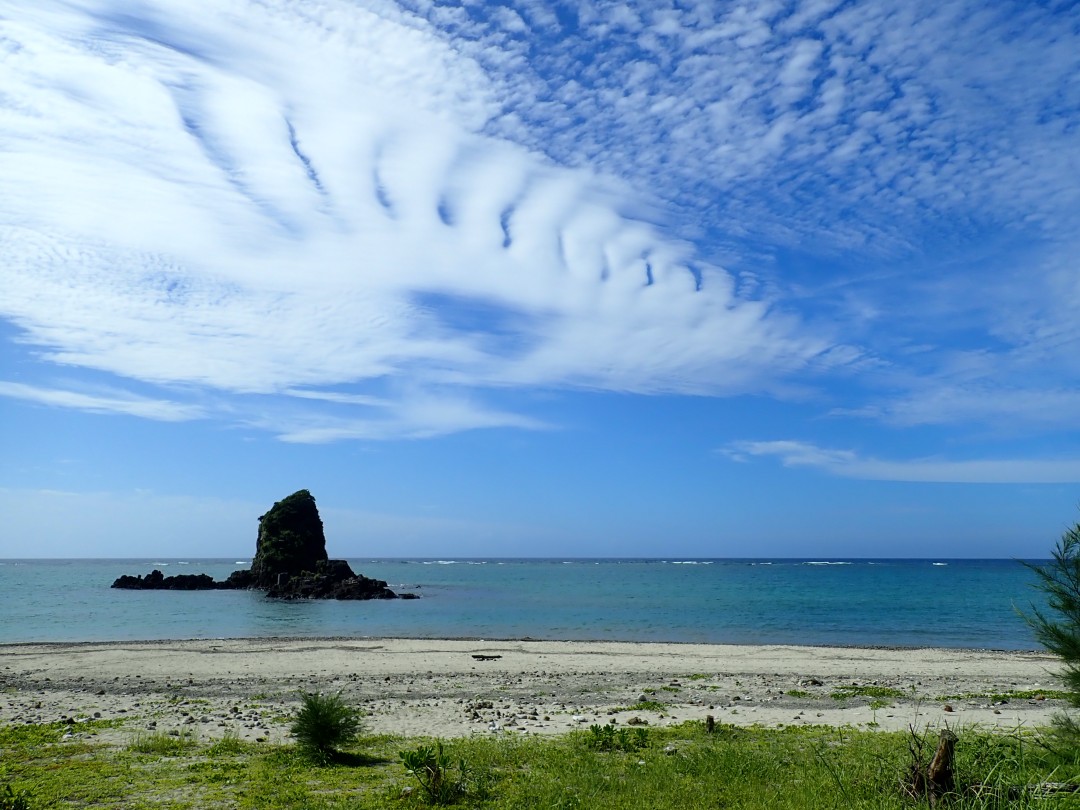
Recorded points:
1060,633
11,799
607,738
431,767
324,724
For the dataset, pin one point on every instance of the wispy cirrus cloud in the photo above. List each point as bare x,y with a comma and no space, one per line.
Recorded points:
849,464
111,403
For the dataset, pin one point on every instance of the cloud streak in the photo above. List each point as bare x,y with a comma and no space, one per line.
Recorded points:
125,404
849,464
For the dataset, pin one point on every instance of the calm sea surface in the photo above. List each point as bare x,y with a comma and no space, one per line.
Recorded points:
939,603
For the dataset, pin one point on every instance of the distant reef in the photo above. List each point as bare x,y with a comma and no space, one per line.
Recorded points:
290,563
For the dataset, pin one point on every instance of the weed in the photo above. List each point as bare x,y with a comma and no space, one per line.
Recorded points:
798,693
229,745
845,692
1005,697
324,724
608,738
11,799
430,764
163,745
643,706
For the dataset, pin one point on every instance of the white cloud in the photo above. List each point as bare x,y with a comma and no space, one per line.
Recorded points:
849,464
122,403
192,196
259,198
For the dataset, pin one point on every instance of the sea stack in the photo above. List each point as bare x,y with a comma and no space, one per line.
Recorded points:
291,540
290,562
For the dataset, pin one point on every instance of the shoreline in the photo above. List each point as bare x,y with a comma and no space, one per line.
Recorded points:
435,687
511,640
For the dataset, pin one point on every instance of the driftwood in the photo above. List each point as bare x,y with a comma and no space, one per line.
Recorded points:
937,779
486,657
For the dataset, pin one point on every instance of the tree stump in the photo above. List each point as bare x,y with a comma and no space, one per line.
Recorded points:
940,776
937,779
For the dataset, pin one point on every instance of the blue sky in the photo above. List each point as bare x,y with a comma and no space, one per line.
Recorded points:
523,279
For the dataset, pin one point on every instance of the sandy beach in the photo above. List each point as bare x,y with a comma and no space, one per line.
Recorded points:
250,688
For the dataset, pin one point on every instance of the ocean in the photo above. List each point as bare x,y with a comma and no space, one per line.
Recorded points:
892,603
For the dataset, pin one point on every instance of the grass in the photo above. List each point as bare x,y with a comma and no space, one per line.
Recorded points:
807,768
1004,697
162,745
644,706
881,692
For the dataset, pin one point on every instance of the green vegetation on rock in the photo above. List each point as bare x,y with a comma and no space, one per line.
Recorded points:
291,540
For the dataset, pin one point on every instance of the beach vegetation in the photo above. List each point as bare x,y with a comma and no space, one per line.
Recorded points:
608,738
1057,627
798,693
846,692
1005,697
11,799
434,770
809,767
162,744
229,745
324,724
644,706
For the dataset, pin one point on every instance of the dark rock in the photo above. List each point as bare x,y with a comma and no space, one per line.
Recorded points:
240,580
156,581
291,540
331,579
290,562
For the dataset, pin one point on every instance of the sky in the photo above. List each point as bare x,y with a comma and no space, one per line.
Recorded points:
762,279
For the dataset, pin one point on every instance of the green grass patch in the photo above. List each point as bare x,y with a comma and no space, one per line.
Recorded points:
807,768
161,744
1001,697
798,693
644,706
846,692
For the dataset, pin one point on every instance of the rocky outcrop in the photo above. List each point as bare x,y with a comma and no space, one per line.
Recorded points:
331,579
290,542
157,581
290,562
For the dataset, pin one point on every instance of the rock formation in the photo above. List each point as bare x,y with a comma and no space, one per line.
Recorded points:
156,581
290,562
291,540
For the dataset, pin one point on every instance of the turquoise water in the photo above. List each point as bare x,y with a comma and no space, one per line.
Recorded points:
939,603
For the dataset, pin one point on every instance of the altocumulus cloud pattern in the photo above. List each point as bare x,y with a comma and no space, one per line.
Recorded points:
369,220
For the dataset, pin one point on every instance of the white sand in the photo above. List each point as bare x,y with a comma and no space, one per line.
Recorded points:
436,687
